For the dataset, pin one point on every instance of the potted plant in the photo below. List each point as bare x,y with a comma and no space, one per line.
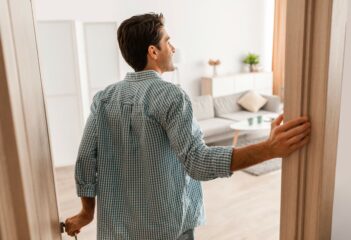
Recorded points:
252,59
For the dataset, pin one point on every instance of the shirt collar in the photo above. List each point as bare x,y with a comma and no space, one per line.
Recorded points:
142,75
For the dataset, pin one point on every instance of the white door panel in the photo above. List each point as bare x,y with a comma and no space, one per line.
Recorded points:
57,55
101,53
65,128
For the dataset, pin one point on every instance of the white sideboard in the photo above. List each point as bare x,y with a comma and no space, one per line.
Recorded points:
261,82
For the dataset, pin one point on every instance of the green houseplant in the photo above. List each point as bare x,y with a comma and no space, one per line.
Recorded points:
252,59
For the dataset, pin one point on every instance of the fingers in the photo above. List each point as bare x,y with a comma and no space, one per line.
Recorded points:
277,121
292,124
73,233
298,137
293,132
71,228
300,144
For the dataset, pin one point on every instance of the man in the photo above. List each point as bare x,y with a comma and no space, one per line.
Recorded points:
142,154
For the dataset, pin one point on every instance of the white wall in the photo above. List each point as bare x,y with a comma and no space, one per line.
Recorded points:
201,29
341,228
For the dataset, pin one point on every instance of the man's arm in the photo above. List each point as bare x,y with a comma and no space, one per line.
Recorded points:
88,207
85,175
284,139
201,162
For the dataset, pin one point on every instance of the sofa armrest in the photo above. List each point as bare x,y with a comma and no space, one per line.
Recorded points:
273,103
203,107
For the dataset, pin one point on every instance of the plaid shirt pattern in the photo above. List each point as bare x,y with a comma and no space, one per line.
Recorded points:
143,156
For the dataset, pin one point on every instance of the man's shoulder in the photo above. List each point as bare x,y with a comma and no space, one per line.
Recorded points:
105,93
167,89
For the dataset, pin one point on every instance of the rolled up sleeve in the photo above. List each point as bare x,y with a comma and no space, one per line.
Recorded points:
86,165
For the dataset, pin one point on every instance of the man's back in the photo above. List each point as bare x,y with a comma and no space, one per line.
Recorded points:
142,132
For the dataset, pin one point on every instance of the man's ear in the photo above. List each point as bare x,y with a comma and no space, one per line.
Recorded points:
153,52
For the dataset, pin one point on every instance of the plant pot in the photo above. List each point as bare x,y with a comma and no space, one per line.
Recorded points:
253,68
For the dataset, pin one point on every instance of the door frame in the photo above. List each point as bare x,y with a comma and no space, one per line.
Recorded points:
314,63
315,43
28,206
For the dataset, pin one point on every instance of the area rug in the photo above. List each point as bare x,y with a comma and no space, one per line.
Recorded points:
265,167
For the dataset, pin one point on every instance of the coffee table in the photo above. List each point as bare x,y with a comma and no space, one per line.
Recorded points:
252,125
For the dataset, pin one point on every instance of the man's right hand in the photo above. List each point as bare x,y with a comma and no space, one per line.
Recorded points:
83,218
288,137
75,223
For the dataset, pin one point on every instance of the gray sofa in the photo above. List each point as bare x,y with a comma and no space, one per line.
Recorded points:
215,115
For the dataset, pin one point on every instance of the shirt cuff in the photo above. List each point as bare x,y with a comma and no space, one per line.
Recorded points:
86,190
223,161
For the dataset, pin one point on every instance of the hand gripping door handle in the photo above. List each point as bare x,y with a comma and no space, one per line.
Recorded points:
62,228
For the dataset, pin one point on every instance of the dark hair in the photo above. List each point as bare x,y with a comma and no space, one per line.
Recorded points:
136,34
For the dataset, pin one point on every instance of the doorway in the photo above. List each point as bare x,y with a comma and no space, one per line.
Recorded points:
289,168
80,57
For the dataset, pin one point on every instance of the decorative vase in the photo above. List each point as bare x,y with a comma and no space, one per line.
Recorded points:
214,64
214,70
253,68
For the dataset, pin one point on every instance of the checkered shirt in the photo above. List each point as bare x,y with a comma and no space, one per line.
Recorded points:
143,156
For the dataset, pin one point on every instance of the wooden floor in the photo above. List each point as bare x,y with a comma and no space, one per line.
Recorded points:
240,207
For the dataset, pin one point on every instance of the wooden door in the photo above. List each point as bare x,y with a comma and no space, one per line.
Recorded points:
28,208
315,38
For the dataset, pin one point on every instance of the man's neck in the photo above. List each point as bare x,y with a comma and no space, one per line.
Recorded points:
154,68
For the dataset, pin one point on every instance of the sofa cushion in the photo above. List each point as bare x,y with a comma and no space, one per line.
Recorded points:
252,101
203,107
227,104
243,115
215,126
273,104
